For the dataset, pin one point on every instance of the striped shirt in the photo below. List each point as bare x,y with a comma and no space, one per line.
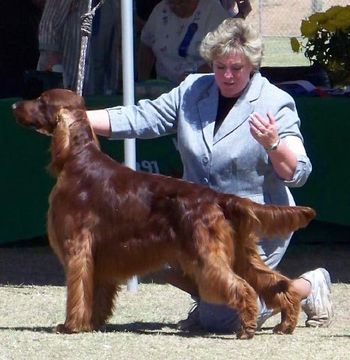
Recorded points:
59,31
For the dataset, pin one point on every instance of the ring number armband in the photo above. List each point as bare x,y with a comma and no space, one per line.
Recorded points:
273,146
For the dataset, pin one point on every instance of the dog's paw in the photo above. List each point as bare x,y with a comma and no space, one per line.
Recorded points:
245,334
281,329
62,329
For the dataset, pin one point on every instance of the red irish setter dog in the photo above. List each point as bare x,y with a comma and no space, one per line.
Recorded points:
107,223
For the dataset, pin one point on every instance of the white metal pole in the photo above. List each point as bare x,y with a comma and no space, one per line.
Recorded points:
128,90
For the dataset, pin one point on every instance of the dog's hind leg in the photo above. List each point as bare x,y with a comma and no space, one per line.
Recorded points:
277,292
104,295
218,284
79,270
216,281
290,309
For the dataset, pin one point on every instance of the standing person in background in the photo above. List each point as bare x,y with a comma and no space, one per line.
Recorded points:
237,8
236,133
171,37
105,64
60,39
143,11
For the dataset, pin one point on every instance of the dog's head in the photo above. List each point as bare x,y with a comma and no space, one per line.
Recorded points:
42,113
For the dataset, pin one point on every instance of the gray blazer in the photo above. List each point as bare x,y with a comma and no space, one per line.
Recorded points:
232,161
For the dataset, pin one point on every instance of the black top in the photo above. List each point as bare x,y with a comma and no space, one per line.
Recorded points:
224,106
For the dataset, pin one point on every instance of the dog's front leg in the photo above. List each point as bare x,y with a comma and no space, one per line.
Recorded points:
79,270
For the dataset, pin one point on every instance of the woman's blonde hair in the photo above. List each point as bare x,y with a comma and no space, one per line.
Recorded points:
233,35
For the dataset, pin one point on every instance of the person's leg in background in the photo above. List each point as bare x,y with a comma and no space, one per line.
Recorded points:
104,50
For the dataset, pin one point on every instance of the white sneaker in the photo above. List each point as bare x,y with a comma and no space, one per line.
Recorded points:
318,305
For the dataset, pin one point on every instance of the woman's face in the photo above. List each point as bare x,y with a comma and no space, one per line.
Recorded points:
232,73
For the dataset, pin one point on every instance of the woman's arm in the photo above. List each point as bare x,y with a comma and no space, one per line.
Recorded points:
147,119
283,160
99,120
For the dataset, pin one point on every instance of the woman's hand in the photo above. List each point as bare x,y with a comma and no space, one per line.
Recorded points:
264,131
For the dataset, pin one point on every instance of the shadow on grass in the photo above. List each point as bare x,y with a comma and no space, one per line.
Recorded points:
139,328
144,328
158,328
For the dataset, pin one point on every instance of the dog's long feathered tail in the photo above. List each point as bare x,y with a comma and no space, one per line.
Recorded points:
266,220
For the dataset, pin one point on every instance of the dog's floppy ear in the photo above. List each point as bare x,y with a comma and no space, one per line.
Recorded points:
60,141
72,132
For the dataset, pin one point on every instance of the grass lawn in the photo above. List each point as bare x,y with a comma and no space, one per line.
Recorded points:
278,52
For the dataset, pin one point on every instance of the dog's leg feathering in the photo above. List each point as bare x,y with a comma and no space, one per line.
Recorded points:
216,281
79,269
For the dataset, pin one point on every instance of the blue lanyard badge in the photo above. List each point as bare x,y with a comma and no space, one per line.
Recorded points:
185,43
